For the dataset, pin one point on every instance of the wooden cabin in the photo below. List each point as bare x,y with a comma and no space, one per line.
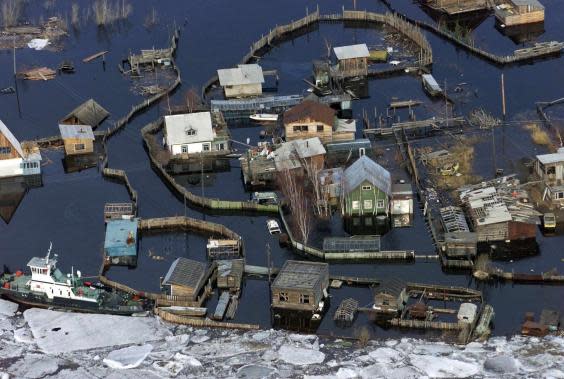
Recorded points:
367,189
230,274
88,113
242,81
78,139
309,119
352,60
17,159
519,12
185,278
300,285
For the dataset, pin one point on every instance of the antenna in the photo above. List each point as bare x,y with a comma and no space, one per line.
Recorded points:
49,252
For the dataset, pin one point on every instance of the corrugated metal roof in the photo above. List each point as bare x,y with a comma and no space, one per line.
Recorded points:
351,51
430,80
11,138
536,5
121,238
89,113
551,158
76,131
300,274
185,272
243,74
366,169
346,125
178,128
286,157
307,148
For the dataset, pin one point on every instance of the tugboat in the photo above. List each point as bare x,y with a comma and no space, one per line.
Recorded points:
48,287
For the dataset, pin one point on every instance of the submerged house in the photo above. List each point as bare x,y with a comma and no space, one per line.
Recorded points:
299,293
300,155
401,207
367,188
17,159
88,113
194,133
549,168
352,60
242,81
519,12
78,139
120,245
185,278
331,184
309,119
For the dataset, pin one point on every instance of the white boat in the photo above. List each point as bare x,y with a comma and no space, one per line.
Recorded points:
273,227
264,117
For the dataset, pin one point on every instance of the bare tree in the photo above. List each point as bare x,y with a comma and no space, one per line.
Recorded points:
192,99
293,191
312,168
11,12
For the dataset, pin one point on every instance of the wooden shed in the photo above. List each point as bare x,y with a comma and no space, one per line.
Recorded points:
352,60
519,12
88,113
230,274
244,80
185,278
78,139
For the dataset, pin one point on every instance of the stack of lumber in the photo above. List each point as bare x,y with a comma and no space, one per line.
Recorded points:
40,73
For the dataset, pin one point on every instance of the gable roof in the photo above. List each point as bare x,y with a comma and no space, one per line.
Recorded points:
307,148
301,275
366,169
88,113
185,272
243,74
178,125
76,131
11,138
351,51
551,158
312,110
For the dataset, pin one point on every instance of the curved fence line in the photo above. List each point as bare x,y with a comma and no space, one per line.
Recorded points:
200,201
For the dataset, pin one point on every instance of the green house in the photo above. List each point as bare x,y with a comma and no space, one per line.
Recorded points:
367,189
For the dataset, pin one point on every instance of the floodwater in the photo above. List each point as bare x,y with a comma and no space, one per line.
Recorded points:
68,209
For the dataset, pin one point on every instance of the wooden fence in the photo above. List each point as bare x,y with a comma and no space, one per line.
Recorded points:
202,322
122,177
187,223
199,201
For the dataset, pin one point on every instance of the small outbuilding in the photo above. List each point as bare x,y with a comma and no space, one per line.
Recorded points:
307,154
467,313
230,274
549,168
519,12
194,133
242,81
88,113
185,278
352,60
120,245
331,184
78,139
402,205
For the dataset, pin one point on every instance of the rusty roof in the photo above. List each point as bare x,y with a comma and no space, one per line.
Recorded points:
310,110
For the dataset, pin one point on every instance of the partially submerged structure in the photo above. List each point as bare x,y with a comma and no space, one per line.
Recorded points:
185,279
309,119
230,274
303,154
367,188
120,245
242,81
299,294
519,12
455,7
78,139
17,159
352,60
223,248
258,168
549,169
331,185
431,85
401,207
88,113
196,133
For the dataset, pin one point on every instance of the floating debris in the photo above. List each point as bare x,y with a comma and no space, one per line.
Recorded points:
41,73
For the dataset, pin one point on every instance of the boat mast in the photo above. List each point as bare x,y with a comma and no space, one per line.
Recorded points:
48,252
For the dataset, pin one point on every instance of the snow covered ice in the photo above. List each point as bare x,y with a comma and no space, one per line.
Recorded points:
127,347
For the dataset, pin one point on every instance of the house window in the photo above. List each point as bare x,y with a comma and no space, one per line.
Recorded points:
380,204
320,128
560,195
190,132
367,204
283,297
79,146
206,147
184,148
220,146
5,150
368,221
300,128
366,188
304,299
551,170
355,204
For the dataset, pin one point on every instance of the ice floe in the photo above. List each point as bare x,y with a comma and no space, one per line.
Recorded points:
128,357
299,356
7,308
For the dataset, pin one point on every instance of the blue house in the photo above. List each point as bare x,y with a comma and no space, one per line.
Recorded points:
120,246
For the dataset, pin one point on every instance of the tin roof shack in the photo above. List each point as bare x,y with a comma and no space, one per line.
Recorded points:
185,278
549,168
467,313
196,133
301,155
388,303
242,81
352,60
120,245
230,274
17,159
460,245
453,7
339,153
499,211
223,249
299,293
401,207
78,139
88,113
259,169
367,188
309,119
518,12
331,185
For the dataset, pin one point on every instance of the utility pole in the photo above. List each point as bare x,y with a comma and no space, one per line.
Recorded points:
16,80
503,95
446,103
268,262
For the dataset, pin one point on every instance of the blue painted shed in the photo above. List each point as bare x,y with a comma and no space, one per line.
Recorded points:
120,246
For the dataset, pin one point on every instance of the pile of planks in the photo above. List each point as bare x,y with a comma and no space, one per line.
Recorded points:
40,73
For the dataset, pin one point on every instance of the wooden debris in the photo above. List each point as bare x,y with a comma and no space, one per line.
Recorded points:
41,73
94,56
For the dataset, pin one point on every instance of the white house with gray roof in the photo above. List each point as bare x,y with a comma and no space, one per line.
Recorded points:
193,133
242,81
15,159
